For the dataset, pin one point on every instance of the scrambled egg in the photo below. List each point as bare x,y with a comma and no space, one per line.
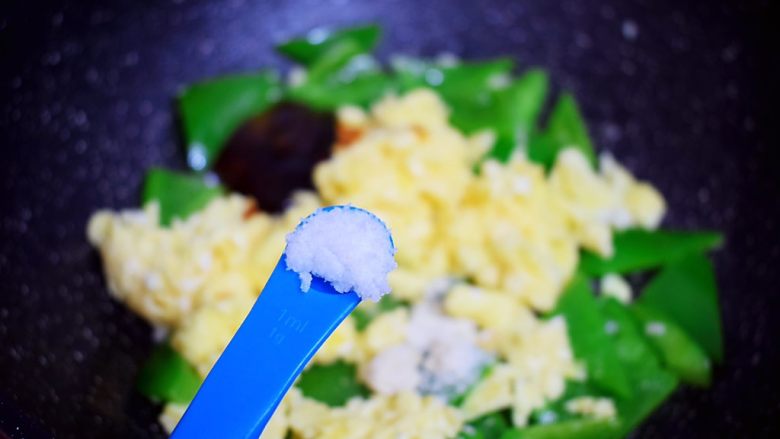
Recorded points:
615,286
403,415
511,230
222,253
509,227
597,408
538,363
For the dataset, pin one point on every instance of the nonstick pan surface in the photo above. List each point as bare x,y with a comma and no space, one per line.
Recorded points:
679,91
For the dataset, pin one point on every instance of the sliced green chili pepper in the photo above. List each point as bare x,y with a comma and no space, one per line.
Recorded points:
685,291
650,391
329,95
631,345
511,112
410,72
468,80
179,195
362,318
463,81
389,303
364,314
481,95
166,376
581,428
542,149
332,60
651,384
469,432
588,340
212,110
519,106
524,99
637,250
333,384
566,128
681,355
311,48
490,426
555,411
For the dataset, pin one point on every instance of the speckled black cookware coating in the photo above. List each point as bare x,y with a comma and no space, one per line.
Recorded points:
679,92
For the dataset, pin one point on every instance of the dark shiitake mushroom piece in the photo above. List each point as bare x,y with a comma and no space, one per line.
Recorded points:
273,154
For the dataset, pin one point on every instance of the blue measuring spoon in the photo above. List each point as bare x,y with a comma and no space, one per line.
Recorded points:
277,339
274,343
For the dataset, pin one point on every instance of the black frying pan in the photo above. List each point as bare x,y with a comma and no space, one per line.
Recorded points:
680,93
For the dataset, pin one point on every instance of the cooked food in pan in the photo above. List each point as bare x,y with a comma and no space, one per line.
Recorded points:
537,294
